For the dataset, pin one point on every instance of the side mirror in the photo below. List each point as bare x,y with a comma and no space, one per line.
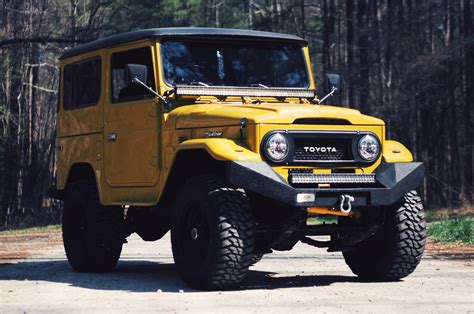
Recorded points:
138,71
332,81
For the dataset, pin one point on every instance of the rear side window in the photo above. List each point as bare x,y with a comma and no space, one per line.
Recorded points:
120,91
82,84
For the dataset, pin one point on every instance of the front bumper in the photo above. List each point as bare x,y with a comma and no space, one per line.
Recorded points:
394,181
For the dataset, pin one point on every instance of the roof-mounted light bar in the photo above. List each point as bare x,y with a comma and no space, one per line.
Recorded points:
224,91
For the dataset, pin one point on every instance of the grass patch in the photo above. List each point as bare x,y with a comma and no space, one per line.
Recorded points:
43,229
453,230
442,213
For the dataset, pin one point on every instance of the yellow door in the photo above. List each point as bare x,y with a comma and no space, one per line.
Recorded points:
131,121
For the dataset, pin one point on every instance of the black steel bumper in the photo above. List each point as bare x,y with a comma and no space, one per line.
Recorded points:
394,180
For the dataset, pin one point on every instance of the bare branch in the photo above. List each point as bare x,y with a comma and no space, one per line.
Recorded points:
42,40
41,88
44,64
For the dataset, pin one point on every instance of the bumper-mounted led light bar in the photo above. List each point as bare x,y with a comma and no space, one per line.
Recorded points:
224,91
334,178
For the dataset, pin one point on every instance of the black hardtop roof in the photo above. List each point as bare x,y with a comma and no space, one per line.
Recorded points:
171,32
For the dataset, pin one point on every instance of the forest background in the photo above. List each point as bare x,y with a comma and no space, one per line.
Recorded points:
409,62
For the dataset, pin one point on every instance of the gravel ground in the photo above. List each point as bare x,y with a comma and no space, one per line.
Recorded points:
305,279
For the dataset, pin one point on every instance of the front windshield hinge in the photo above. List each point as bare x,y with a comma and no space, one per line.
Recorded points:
305,101
247,100
170,92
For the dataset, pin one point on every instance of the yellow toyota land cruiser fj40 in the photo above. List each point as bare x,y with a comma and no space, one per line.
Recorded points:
218,136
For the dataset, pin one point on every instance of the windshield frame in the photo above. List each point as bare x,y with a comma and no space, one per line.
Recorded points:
171,86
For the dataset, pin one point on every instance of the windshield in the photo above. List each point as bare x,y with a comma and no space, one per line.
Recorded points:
243,64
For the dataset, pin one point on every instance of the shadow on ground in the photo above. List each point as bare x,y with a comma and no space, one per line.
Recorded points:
147,276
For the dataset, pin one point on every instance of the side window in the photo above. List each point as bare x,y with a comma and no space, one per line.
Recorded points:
120,91
82,84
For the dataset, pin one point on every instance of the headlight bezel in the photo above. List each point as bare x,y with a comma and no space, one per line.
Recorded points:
267,140
375,140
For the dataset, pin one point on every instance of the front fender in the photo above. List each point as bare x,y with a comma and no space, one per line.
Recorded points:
394,151
221,149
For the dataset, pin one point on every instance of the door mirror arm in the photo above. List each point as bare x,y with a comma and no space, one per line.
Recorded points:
137,74
331,93
163,99
332,85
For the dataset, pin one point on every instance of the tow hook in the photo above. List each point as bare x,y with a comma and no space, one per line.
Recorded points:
346,203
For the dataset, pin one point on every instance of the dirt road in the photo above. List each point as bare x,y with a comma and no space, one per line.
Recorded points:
303,280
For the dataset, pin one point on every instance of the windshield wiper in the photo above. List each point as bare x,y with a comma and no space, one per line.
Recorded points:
259,85
199,83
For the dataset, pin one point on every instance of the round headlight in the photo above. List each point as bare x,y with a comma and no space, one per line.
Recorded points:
369,147
277,147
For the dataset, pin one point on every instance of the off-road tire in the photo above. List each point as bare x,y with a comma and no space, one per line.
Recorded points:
257,257
396,249
218,254
93,234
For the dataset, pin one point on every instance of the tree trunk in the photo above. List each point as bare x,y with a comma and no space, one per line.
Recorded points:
251,14
469,97
363,54
303,20
350,51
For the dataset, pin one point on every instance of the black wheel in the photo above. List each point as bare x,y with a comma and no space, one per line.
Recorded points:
395,250
92,233
212,234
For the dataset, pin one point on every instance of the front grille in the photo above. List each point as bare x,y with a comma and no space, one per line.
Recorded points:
334,178
319,148
322,149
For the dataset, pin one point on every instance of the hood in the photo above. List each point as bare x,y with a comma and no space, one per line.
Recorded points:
221,114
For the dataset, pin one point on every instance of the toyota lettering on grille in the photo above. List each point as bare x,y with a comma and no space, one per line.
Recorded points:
318,149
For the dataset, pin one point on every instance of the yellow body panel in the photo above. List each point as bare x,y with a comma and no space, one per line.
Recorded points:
86,120
131,160
134,169
394,151
222,149
220,114
77,149
79,132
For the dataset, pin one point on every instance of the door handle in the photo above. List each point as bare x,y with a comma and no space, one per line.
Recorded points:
112,137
